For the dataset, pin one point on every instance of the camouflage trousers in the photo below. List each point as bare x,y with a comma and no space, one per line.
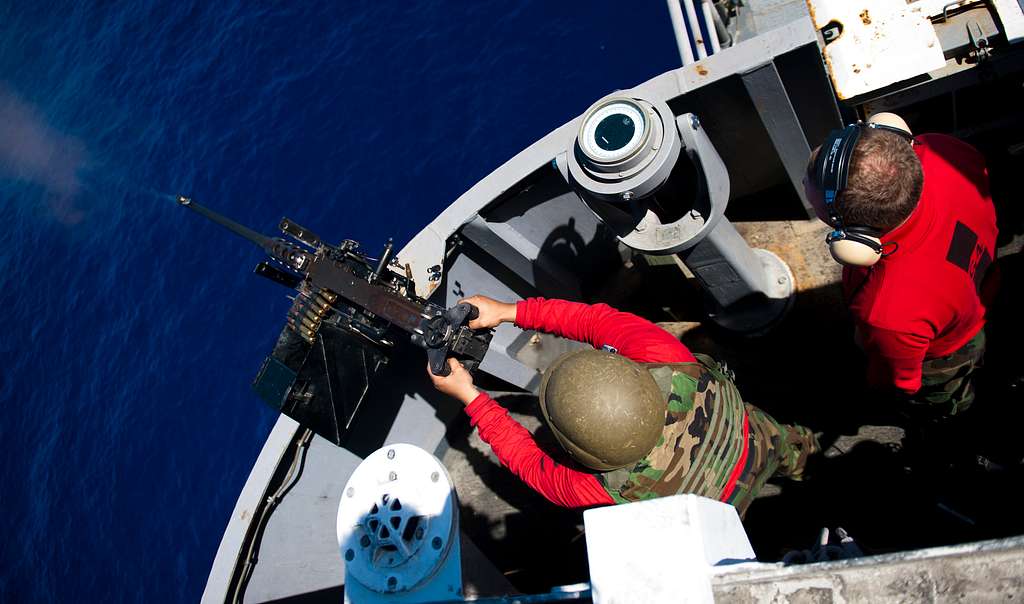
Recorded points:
774,449
947,385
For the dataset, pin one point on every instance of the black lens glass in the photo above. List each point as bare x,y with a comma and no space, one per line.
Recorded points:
614,131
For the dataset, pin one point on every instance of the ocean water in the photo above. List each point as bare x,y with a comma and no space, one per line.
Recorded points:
131,327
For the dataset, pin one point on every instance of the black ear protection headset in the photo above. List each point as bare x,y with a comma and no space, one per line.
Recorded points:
847,242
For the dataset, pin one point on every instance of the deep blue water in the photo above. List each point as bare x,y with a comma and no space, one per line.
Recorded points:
131,328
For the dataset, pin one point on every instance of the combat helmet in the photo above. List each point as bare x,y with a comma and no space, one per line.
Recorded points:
605,410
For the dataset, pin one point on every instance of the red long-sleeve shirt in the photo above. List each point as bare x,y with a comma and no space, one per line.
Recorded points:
923,300
598,325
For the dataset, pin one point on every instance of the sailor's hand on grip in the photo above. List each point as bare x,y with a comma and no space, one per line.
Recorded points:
458,384
491,313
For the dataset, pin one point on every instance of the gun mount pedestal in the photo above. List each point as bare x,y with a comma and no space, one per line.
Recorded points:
749,289
657,181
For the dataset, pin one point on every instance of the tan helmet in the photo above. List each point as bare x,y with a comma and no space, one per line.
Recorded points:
605,410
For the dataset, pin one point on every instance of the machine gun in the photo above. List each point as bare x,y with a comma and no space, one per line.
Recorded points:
342,323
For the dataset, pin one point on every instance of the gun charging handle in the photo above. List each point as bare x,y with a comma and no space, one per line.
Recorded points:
442,331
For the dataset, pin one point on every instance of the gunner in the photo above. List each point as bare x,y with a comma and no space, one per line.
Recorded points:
914,225
639,415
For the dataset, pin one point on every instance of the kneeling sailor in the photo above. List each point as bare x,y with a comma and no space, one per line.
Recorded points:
643,416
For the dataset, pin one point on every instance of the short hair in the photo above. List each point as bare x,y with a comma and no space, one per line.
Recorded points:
884,184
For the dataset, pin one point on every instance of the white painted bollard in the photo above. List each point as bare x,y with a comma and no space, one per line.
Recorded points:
398,529
662,550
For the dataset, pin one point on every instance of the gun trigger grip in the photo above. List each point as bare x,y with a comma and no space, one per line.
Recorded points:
438,360
461,313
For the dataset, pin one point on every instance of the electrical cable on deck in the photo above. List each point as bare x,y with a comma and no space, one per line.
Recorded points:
271,502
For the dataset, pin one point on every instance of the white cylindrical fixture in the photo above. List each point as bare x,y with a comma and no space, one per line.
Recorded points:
398,527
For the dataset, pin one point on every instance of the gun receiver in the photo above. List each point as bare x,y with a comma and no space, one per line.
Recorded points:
345,300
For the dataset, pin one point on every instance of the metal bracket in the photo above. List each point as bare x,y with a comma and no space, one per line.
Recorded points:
982,51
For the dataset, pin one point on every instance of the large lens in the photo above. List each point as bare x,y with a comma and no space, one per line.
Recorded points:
613,132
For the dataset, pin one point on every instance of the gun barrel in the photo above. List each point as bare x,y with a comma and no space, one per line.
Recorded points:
243,231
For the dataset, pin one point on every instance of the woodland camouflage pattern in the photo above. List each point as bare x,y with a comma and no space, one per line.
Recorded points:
947,387
702,442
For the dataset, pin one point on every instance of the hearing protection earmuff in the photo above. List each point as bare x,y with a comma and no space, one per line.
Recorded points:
853,245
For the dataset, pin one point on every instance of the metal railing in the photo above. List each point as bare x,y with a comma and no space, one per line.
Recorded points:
697,29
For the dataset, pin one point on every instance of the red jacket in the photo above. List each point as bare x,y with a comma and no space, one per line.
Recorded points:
633,337
923,301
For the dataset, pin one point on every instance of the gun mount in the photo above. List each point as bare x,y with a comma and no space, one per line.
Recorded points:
343,322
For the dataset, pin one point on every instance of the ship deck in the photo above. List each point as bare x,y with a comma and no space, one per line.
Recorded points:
522,231
891,486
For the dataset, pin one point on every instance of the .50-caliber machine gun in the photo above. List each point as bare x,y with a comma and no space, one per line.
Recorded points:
341,324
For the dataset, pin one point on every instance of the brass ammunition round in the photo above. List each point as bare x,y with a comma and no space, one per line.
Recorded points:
311,325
